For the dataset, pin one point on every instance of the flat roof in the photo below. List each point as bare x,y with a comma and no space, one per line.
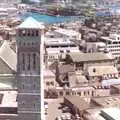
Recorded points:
113,113
78,102
95,113
107,101
109,39
9,99
58,41
85,88
48,73
67,32
102,70
116,86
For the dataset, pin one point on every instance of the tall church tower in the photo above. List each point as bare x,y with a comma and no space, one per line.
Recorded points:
30,37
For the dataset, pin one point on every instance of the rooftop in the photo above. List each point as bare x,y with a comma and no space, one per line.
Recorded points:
84,57
78,102
48,73
8,55
31,23
113,113
107,101
102,70
58,41
9,99
116,86
65,68
67,32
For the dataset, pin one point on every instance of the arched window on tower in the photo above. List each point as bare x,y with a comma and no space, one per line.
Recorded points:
23,59
20,33
36,32
33,33
28,33
34,61
28,61
24,33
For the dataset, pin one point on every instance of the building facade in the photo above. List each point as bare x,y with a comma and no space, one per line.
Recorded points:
29,37
112,44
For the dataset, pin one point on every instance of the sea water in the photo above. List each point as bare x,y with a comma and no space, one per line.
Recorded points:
47,19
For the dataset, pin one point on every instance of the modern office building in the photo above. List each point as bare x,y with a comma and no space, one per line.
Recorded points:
112,44
29,70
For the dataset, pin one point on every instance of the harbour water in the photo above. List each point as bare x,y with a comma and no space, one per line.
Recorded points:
47,19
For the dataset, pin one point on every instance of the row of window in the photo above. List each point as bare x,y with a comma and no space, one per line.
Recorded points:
57,46
52,57
50,83
34,105
116,46
34,86
27,43
114,42
24,61
28,33
114,50
84,93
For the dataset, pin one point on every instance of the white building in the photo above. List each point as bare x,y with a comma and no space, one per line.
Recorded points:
68,33
95,46
11,1
112,44
56,45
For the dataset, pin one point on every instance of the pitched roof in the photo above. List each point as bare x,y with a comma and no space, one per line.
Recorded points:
8,55
84,57
31,23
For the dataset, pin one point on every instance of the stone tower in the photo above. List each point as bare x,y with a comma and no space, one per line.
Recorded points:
30,36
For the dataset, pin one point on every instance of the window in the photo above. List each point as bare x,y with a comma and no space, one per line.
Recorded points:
34,61
28,61
23,60
20,33
52,83
28,33
32,33
79,93
94,70
23,32
47,83
32,43
61,93
84,93
36,32
34,86
23,86
67,51
34,105
67,93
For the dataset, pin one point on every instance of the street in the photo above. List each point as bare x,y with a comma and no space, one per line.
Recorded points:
53,110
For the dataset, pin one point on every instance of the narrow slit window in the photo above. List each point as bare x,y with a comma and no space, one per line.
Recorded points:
36,32
23,57
28,61
34,61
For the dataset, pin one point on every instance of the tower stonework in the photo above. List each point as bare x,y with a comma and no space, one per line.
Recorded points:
29,37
